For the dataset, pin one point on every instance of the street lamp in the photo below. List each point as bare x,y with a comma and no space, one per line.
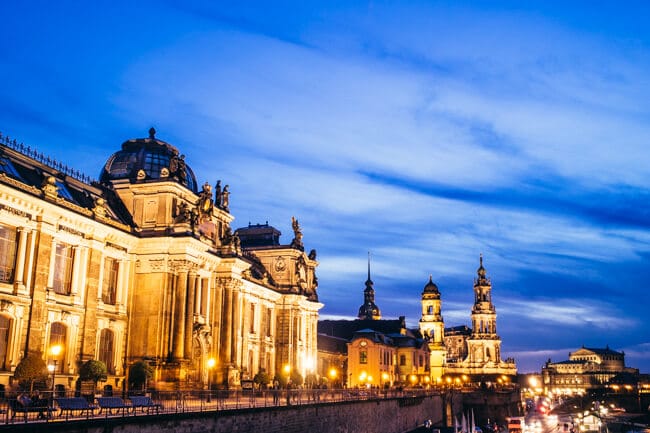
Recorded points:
55,351
211,363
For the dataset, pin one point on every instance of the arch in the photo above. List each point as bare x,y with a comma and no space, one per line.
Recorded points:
106,349
5,332
58,336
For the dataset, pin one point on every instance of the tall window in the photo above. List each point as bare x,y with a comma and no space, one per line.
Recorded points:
106,349
109,285
363,357
58,336
252,319
5,326
7,254
63,269
267,318
402,360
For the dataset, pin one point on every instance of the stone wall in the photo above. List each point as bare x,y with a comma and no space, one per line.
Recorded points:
369,416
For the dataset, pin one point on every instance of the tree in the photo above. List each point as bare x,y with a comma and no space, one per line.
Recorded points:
296,378
139,373
262,378
31,369
93,370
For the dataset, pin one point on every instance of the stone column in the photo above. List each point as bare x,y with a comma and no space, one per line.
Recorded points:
189,315
20,258
227,324
178,345
236,327
30,260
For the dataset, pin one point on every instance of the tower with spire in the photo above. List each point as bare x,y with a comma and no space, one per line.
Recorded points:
369,310
484,345
432,328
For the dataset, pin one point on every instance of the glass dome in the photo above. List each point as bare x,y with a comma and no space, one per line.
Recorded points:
148,159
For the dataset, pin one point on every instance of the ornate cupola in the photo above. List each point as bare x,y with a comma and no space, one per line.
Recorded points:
369,310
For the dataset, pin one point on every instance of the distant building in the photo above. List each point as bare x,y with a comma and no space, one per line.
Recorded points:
586,369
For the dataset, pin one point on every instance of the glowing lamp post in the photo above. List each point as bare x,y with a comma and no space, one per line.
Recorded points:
211,363
55,351
333,373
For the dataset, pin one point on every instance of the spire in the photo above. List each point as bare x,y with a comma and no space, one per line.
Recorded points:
368,280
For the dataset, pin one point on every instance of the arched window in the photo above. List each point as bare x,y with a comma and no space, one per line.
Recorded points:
5,326
430,310
106,338
58,337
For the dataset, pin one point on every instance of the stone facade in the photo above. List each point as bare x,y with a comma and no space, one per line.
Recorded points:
144,265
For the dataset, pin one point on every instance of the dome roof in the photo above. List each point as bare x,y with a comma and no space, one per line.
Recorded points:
431,287
146,159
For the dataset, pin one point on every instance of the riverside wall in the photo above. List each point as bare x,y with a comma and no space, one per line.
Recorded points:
366,416
390,415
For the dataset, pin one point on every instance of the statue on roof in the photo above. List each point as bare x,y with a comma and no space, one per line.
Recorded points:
225,198
205,199
217,194
297,234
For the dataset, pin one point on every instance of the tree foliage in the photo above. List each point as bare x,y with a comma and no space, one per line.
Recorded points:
93,370
30,369
262,378
139,373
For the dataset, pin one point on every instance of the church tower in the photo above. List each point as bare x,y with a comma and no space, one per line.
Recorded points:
432,328
369,310
484,345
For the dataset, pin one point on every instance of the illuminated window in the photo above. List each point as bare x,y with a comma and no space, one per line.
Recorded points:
363,357
106,349
5,326
109,286
7,254
402,360
58,337
63,269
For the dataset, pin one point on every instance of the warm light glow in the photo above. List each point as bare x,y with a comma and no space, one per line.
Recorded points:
533,382
369,378
427,379
414,378
56,350
448,379
465,378
286,369
50,368
384,376
211,363
362,376
333,373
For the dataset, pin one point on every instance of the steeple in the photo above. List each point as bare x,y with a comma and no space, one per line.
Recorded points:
369,310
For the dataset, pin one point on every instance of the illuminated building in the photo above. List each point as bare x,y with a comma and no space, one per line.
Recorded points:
474,352
144,265
586,368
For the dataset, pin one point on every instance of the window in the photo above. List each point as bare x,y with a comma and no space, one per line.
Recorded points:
252,319
363,357
269,315
106,349
5,326
63,269
109,285
58,337
402,360
430,310
7,254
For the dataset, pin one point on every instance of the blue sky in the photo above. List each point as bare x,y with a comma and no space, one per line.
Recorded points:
424,132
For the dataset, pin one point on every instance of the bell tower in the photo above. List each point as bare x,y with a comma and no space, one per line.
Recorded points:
432,327
484,345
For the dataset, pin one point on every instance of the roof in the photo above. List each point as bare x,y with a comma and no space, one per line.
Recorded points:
458,330
34,173
258,235
329,344
346,328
